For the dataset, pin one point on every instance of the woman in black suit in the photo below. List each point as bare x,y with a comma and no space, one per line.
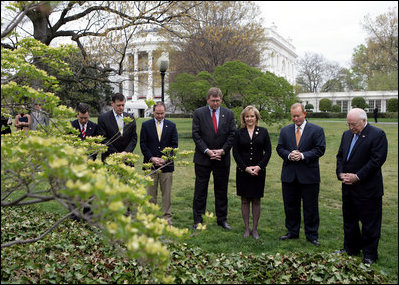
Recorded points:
251,150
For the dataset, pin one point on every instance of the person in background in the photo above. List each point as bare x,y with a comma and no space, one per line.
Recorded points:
155,135
6,124
86,127
375,112
361,154
251,151
119,137
22,120
39,117
300,145
213,130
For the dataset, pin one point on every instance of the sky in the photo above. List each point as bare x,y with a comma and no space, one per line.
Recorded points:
330,28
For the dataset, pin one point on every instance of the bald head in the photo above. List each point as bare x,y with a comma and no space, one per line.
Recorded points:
356,119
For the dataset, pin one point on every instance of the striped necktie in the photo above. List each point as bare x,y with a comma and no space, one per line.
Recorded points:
83,132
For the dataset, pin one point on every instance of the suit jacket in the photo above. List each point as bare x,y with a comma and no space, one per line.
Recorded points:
205,137
151,146
312,145
249,152
366,159
108,127
91,129
43,120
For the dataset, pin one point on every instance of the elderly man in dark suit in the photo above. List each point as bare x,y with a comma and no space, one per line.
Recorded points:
213,131
362,152
155,135
86,127
119,136
300,145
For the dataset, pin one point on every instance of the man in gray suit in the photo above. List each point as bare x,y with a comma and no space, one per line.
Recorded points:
213,131
39,117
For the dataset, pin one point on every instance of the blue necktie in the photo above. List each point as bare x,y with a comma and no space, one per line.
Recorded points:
355,137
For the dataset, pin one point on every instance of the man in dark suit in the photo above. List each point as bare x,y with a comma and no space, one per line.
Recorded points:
213,130
86,127
362,152
155,135
120,137
300,145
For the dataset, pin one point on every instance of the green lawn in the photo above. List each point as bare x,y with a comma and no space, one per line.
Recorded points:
271,224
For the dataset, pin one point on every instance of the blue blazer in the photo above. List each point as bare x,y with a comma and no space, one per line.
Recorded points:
367,157
151,146
312,145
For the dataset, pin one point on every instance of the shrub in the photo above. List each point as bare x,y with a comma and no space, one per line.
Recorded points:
392,105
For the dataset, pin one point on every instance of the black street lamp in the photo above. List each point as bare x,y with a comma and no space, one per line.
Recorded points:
163,64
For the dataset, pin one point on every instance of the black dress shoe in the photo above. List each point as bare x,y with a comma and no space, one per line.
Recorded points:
225,225
314,242
368,261
288,236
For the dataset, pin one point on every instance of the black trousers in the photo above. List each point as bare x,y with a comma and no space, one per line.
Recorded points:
369,213
220,179
293,194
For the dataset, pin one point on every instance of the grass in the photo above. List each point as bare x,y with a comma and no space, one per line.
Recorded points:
271,224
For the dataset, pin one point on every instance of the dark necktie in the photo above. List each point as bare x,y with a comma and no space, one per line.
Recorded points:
215,124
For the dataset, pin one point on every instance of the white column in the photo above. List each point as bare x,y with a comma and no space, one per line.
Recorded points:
135,74
150,79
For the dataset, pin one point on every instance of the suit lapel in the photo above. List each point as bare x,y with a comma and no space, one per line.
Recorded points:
360,140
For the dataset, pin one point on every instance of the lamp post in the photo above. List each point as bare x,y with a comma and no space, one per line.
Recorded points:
163,64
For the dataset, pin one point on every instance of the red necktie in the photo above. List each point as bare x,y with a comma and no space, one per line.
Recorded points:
215,125
83,132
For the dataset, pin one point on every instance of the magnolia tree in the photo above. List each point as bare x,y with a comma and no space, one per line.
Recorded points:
54,165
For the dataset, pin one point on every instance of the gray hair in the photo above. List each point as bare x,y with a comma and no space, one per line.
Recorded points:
360,113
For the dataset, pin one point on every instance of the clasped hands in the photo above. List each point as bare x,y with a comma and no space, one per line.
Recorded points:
157,161
253,170
295,155
215,154
348,178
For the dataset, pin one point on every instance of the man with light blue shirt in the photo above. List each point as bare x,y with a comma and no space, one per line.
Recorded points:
213,131
119,136
156,135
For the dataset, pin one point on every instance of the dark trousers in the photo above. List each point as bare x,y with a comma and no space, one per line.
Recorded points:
293,194
369,213
220,179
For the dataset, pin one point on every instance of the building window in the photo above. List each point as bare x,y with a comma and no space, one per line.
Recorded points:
142,86
143,61
344,106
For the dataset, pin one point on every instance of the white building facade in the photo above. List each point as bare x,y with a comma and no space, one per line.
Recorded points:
344,99
280,57
142,81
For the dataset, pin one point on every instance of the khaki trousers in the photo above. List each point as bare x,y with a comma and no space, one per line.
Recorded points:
164,179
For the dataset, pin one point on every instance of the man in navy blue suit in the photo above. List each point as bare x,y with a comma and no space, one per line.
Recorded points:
300,145
155,135
213,131
86,127
120,137
362,152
